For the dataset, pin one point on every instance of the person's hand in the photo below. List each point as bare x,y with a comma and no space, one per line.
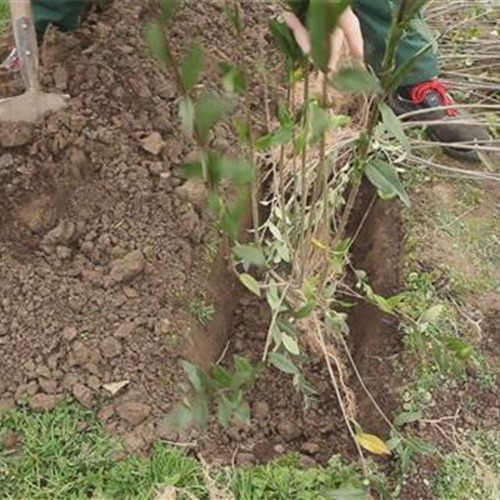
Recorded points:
349,30
299,31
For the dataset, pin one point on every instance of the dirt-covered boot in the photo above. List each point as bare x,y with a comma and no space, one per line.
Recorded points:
457,130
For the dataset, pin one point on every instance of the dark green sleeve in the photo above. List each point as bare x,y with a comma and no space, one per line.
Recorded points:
65,14
299,8
375,17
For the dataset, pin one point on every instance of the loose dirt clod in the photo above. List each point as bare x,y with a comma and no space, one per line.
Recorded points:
153,143
44,402
128,268
15,135
133,413
110,348
83,395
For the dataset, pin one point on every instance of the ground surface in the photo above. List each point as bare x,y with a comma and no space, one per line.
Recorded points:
112,271
107,255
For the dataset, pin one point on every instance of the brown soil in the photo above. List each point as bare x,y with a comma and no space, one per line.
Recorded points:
103,245
379,251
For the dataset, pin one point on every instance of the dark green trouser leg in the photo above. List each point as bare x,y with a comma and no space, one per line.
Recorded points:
375,17
65,14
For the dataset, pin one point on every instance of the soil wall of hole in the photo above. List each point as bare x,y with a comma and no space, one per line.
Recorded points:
378,250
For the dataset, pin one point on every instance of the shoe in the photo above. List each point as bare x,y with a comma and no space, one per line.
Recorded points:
11,63
433,95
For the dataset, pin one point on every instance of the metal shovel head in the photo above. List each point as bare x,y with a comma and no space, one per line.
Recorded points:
31,106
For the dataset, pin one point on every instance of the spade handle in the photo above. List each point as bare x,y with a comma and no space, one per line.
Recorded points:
26,42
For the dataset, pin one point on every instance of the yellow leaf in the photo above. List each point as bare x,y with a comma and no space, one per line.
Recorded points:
318,244
373,444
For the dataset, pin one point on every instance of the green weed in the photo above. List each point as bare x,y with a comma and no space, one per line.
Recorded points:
221,390
472,472
4,15
284,480
65,454
202,312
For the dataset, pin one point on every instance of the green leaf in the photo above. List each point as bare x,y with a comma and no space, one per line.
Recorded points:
233,78
251,283
192,170
323,18
347,494
320,122
191,67
290,344
244,371
462,349
355,81
419,446
273,297
243,130
386,179
305,311
214,163
304,386
432,314
283,135
242,412
200,411
283,363
224,411
209,110
194,374
286,42
232,216
393,125
180,417
251,255
232,15
239,170
221,376
288,327
407,418
168,8
187,115
337,322
394,442
155,40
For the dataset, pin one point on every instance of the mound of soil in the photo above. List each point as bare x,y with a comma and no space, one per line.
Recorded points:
102,243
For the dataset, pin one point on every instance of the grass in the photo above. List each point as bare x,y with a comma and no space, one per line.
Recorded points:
4,14
64,454
473,471
467,263
202,312
457,218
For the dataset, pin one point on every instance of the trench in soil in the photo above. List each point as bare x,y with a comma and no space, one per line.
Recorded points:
280,422
79,195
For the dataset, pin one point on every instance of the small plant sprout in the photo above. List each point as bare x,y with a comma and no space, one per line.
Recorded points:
202,312
221,389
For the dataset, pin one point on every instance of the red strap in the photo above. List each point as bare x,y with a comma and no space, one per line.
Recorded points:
419,92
